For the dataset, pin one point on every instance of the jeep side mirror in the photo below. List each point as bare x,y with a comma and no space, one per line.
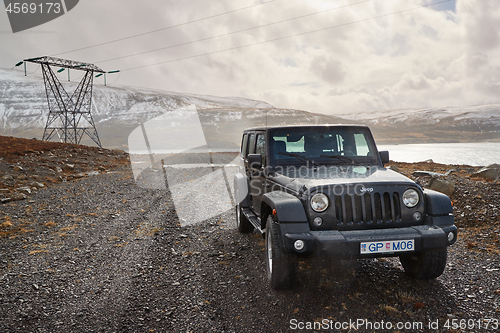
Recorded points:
254,161
384,156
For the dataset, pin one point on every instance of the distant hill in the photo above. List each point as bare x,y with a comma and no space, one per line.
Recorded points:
427,125
119,110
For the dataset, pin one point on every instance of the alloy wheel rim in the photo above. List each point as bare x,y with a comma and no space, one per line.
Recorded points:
238,214
269,253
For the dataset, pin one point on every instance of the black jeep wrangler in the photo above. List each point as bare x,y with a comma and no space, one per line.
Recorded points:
324,191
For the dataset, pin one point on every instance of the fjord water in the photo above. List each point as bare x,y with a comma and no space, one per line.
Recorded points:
471,153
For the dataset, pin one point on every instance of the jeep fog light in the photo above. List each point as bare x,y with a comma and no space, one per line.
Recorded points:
299,245
451,236
319,202
417,216
318,221
410,198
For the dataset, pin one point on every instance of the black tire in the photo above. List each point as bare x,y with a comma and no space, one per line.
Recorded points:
426,265
242,223
281,267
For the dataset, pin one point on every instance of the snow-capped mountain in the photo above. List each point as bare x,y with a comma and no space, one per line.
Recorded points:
450,124
23,102
117,111
476,115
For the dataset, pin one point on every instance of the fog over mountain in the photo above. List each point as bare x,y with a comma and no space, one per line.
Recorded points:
119,110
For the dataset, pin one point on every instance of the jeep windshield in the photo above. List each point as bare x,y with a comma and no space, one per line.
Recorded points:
326,145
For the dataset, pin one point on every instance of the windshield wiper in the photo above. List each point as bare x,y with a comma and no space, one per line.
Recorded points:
343,158
305,159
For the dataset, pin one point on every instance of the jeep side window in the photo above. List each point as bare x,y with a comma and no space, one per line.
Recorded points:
361,145
260,148
244,145
251,145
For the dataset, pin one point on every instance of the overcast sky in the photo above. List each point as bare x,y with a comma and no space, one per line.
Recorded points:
362,56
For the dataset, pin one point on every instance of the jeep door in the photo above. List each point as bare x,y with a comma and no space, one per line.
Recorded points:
257,177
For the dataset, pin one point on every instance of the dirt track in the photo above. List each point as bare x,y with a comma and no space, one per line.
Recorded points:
100,254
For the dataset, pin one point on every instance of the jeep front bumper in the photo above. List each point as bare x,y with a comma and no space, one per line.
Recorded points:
347,244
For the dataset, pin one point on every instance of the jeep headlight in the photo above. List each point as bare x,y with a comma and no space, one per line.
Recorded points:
319,202
411,198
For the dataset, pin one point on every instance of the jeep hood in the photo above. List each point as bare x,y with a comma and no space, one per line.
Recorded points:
296,179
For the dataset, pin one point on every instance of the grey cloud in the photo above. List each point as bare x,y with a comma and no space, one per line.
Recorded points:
482,22
414,82
330,70
476,61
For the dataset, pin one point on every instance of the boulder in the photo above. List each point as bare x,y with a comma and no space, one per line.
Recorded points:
394,168
17,196
443,186
491,172
24,189
433,174
37,184
68,167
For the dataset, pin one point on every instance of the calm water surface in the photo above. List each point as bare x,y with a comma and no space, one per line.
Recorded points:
473,153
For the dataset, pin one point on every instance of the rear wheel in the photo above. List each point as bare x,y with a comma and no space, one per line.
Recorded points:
281,266
426,265
242,222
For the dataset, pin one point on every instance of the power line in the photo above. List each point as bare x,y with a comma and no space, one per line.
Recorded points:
162,29
232,33
119,73
284,37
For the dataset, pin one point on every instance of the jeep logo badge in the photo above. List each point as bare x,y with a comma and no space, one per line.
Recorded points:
366,189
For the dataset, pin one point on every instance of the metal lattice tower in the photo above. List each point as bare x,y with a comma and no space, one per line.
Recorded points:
69,117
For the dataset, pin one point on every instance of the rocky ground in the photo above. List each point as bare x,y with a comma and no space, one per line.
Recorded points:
90,251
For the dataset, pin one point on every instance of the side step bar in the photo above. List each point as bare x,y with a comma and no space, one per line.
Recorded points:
255,220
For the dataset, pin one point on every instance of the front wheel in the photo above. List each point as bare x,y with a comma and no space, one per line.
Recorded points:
281,266
426,265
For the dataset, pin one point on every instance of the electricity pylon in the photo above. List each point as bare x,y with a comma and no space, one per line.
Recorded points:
69,117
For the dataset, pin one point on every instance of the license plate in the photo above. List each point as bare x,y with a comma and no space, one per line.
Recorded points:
387,246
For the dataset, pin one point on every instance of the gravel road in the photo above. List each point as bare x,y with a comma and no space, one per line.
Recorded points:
101,254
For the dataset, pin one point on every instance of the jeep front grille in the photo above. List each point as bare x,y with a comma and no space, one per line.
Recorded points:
367,209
